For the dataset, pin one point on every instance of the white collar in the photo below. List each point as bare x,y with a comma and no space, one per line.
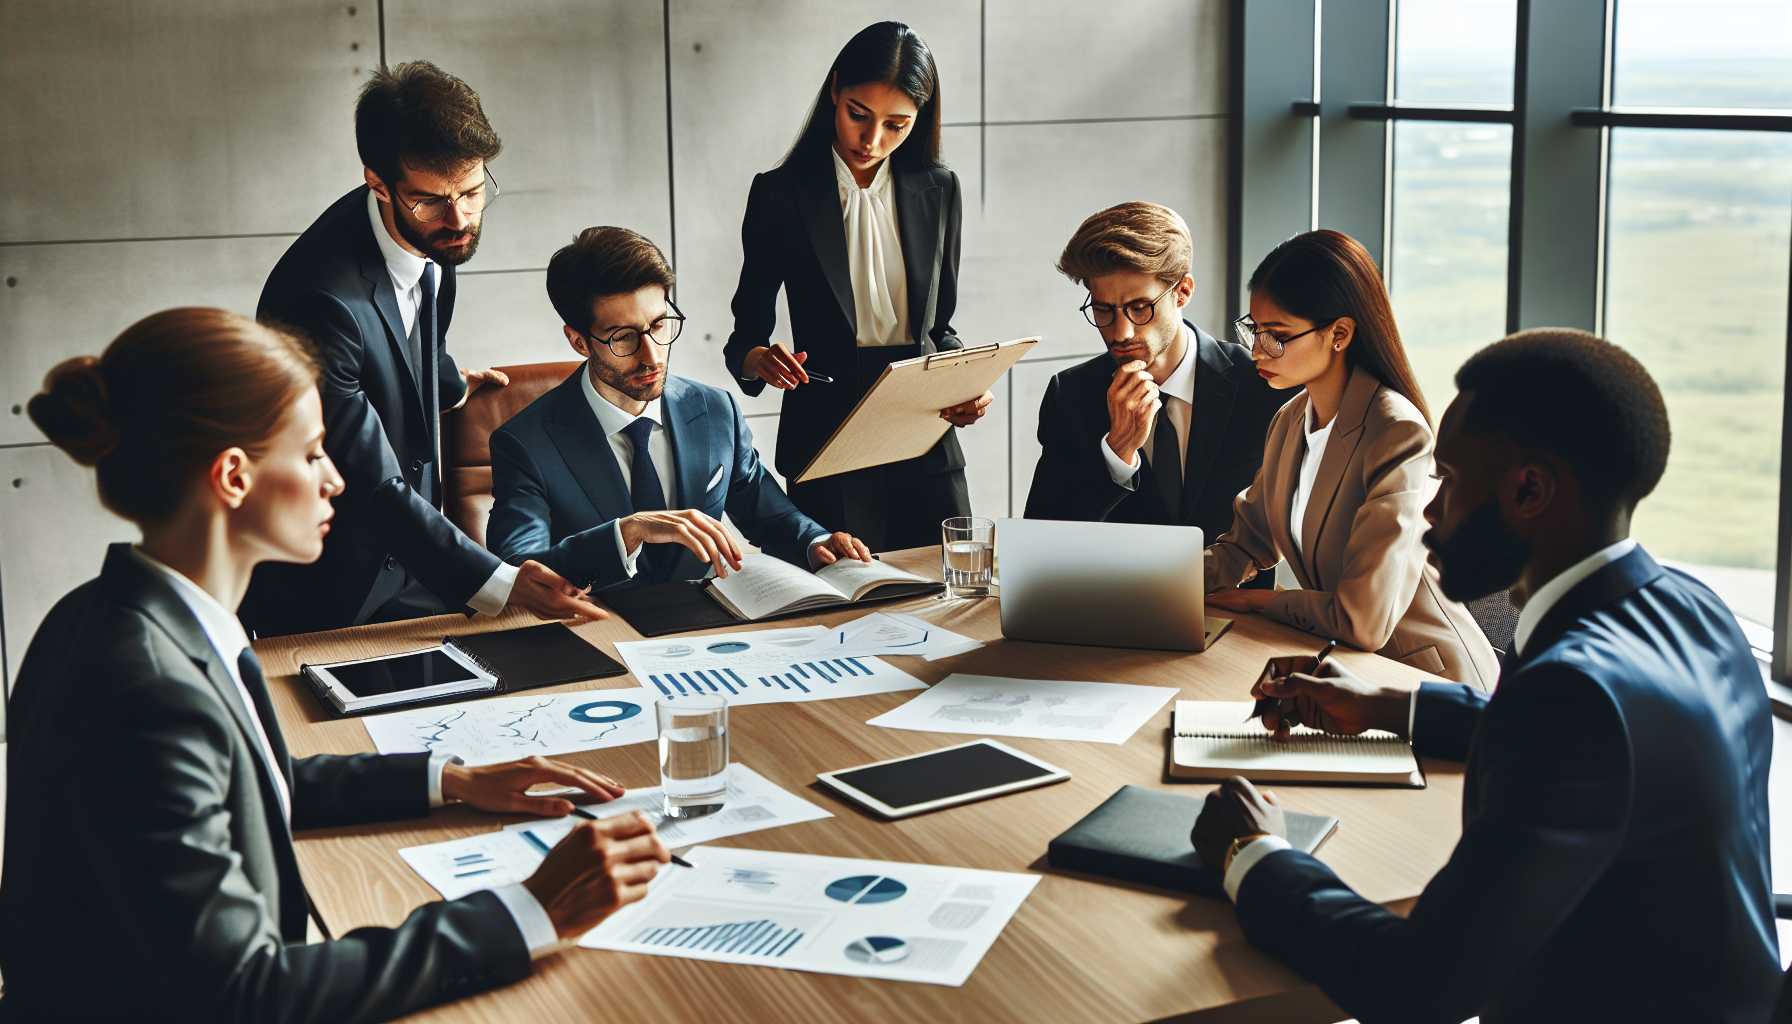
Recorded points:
405,268
613,420
1181,381
1550,593
880,181
221,627
1316,435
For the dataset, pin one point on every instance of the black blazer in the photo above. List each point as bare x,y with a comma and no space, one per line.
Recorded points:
380,428
793,237
1233,407
141,819
1614,856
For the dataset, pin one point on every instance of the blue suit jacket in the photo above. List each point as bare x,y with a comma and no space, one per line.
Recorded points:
558,491
1614,856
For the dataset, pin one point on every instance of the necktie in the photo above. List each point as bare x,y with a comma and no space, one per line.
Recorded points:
428,381
647,495
1166,461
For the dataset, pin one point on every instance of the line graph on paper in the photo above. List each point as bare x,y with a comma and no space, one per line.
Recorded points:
505,728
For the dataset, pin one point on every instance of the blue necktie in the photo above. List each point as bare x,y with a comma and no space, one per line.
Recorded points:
647,495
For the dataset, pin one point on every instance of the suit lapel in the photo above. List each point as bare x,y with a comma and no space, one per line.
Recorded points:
1213,407
818,200
918,222
587,452
1340,448
1279,487
1610,584
385,299
692,460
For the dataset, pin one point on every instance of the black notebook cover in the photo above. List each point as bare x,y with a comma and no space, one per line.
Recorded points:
657,609
532,656
1140,835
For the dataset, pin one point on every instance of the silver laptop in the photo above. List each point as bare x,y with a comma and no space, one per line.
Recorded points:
1105,584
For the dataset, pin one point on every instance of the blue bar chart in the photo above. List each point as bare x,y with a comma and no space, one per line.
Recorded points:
758,680
763,937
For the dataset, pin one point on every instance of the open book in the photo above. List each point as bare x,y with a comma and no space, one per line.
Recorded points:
767,586
1211,740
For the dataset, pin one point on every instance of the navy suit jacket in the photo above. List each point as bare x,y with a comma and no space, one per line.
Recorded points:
380,428
1614,856
558,491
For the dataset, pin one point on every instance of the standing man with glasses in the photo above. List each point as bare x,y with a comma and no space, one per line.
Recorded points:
622,473
371,282
1167,425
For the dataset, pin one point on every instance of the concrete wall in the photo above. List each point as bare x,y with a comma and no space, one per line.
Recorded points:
164,152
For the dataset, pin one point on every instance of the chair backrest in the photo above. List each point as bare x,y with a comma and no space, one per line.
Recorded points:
467,440
1497,617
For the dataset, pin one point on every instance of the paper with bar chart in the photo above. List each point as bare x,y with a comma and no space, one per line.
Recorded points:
1048,709
833,915
759,667
491,859
505,728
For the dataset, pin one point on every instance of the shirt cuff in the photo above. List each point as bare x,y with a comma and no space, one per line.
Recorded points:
537,928
809,547
492,597
630,559
1412,713
1118,471
438,762
1247,857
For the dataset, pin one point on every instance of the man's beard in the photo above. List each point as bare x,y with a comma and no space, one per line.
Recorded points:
1482,557
620,381
424,240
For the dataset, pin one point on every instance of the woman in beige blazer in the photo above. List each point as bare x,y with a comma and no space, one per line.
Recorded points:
1346,471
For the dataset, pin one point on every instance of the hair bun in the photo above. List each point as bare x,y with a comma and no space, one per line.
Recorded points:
74,410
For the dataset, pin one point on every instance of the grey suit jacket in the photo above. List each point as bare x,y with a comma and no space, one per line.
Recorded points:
143,829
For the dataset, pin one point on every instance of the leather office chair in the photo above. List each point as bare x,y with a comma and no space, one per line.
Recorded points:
467,440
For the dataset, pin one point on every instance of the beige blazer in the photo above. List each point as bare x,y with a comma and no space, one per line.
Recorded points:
1362,570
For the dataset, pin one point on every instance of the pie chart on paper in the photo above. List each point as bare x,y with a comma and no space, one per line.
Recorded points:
729,647
866,889
877,949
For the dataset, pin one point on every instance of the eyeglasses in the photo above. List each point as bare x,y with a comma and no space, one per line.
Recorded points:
1251,336
430,209
626,341
1139,311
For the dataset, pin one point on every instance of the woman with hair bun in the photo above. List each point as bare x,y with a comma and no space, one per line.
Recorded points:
151,795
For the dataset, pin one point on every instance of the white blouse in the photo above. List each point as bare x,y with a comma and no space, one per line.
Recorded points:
1309,470
874,256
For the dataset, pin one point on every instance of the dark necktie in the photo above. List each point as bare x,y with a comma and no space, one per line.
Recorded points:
428,381
1166,461
248,666
647,495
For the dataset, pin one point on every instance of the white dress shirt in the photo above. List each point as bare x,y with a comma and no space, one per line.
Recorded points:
406,270
1317,437
229,641
1533,612
1178,394
874,256
613,420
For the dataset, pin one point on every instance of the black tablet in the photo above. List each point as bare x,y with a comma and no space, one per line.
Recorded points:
942,778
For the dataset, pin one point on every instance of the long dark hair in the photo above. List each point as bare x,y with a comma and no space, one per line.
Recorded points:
1323,275
888,52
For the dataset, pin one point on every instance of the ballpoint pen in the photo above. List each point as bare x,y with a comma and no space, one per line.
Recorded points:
1285,708
587,815
821,377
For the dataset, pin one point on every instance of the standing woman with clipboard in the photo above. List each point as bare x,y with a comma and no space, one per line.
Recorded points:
860,226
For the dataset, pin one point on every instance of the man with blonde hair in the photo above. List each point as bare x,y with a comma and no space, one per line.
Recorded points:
1167,425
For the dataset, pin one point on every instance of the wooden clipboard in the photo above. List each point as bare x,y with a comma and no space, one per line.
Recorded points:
899,418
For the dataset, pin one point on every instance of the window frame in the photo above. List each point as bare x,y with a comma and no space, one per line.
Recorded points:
1328,136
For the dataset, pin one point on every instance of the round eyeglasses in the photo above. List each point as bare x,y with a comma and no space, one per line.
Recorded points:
626,341
1139,311
1253,337
471,203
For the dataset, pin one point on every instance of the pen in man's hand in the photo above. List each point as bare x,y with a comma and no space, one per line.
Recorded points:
821,377
1285,708
587,815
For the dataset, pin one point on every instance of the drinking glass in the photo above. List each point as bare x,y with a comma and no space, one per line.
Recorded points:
693,755
967,555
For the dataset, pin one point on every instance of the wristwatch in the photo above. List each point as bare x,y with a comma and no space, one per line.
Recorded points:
1237,845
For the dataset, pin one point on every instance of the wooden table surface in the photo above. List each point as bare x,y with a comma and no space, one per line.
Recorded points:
1078,949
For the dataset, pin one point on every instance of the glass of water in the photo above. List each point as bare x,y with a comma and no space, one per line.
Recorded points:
693,755
967,555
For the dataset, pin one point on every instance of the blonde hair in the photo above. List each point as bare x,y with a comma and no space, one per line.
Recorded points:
170,393
1140,237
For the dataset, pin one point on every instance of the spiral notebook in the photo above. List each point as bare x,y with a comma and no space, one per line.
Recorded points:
1212,740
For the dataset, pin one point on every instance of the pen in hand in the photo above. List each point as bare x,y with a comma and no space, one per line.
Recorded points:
588,816
1286,708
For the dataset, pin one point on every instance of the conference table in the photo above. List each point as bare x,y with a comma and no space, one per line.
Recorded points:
1078,949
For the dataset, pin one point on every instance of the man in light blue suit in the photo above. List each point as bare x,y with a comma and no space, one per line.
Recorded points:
622,473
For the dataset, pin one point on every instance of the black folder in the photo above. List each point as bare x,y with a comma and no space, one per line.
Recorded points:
1140,835
657,609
